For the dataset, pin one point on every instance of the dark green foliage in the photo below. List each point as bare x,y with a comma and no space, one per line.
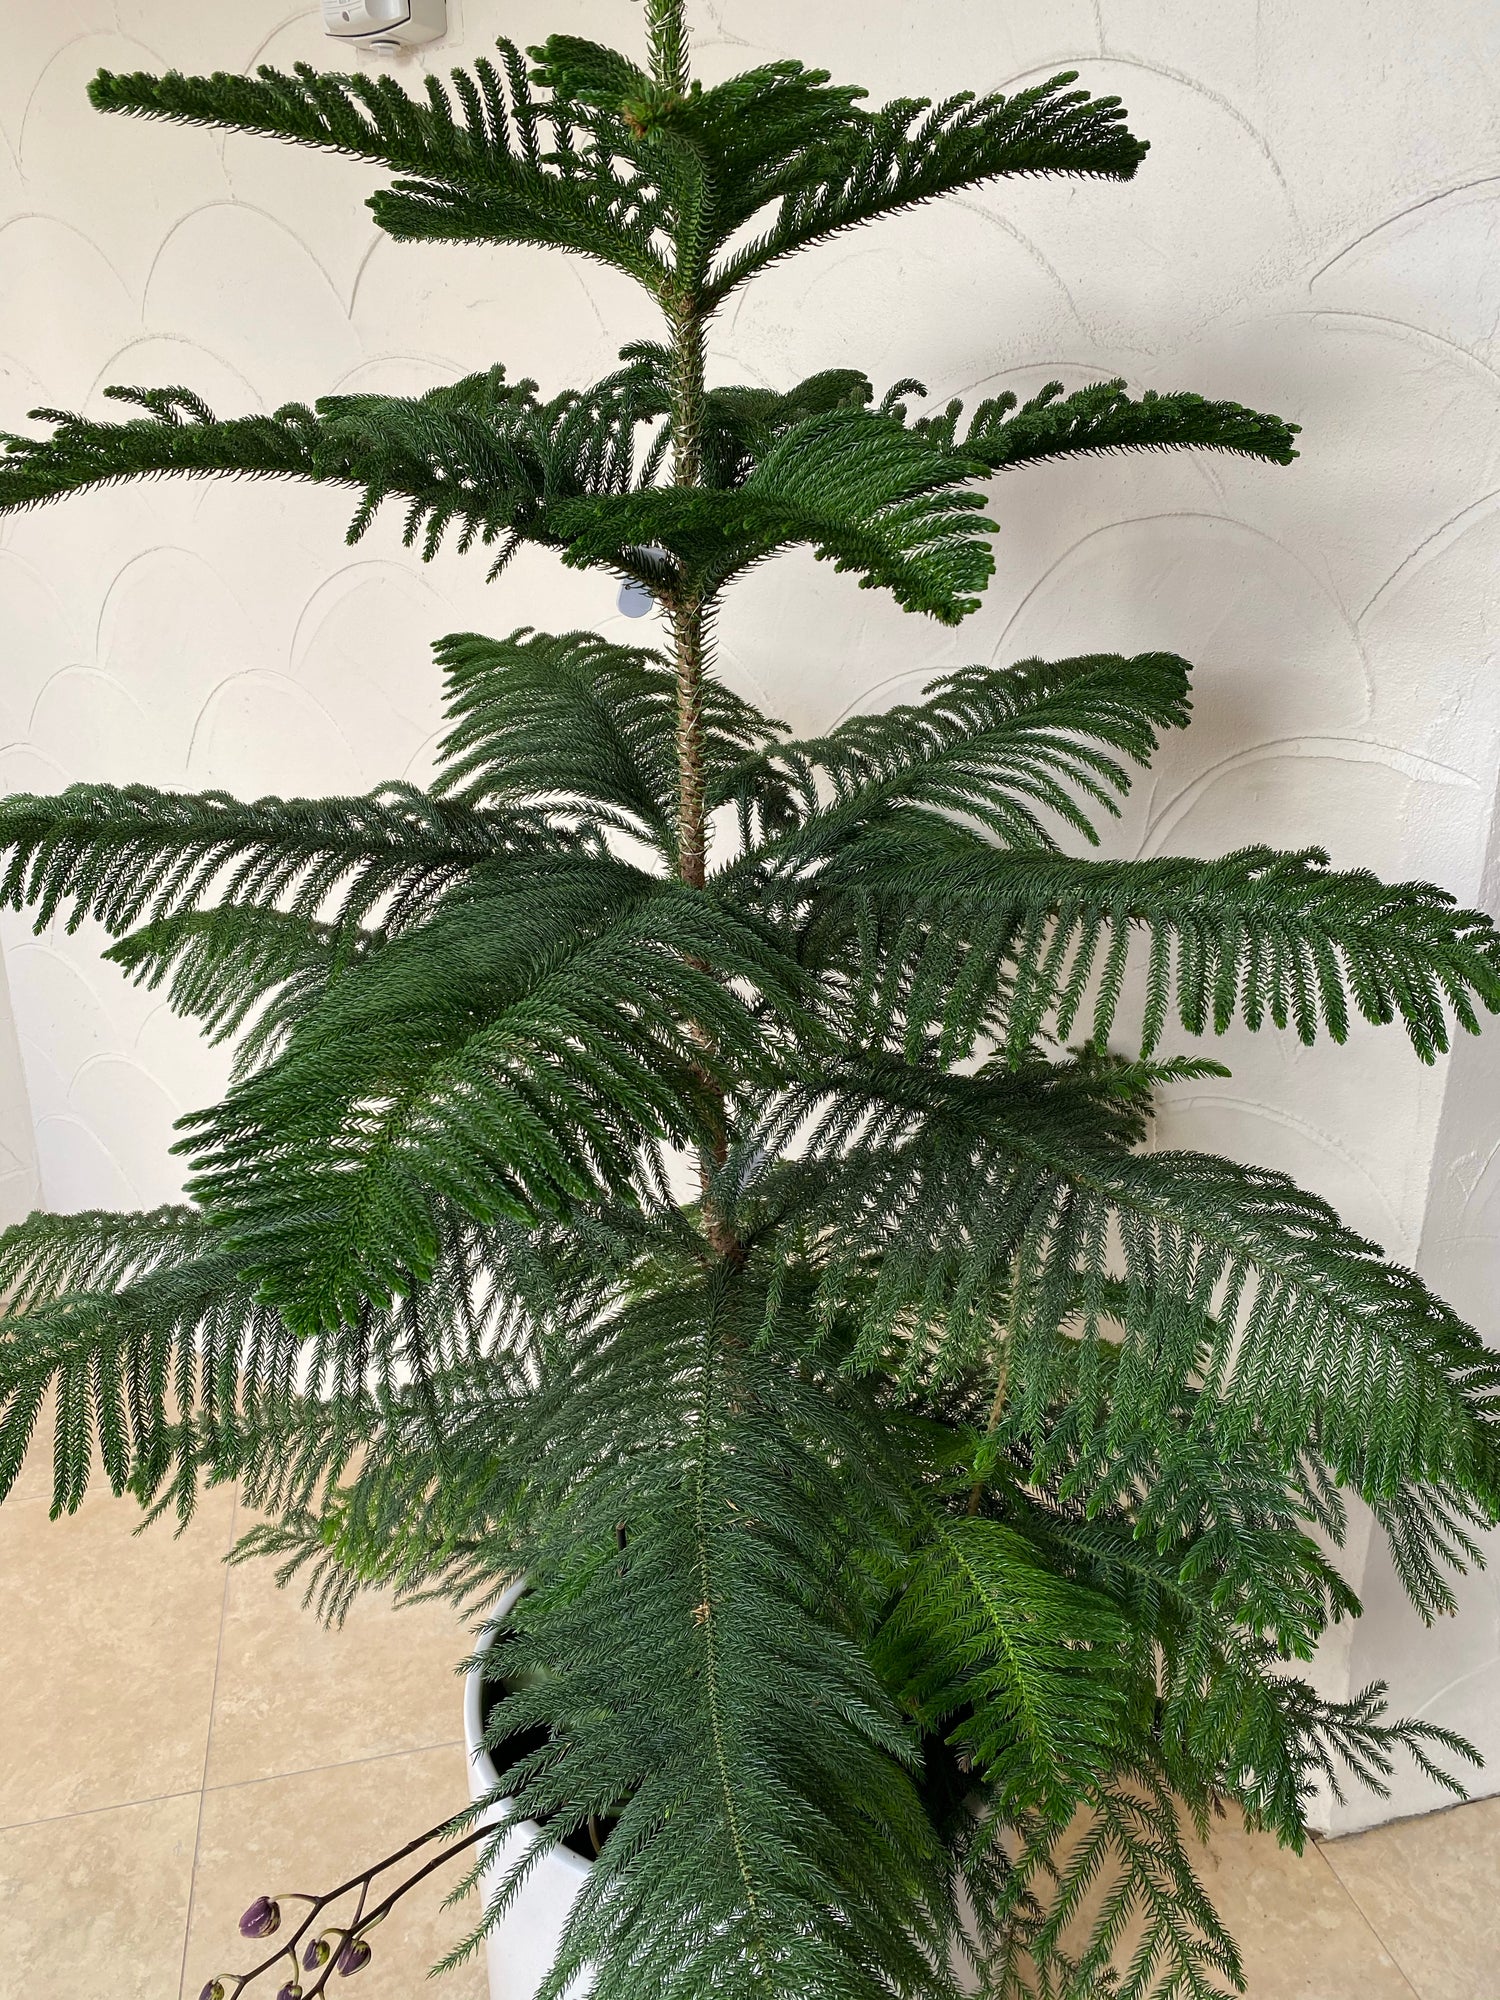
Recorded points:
482,454
1104,417
912,149
1022,1669
999,746
120,854
924,1488
607,161
118,1316
1257,935
541,718
220,965
753,1855
510,1056
1126,1832
889,500
928,1197
862,491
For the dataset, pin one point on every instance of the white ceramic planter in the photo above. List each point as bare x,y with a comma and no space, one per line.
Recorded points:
522,1949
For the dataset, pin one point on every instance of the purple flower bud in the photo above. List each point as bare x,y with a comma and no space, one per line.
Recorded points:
291,1991
354,1957
262,1917
316,1953
213,1991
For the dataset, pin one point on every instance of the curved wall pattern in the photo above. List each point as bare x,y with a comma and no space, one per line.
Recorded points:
1315,231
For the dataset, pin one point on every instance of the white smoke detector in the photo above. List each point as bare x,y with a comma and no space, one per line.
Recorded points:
387,26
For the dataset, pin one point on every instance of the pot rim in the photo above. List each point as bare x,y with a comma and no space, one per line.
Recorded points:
483,1776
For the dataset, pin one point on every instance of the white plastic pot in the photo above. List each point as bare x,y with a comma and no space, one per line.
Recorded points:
521,1950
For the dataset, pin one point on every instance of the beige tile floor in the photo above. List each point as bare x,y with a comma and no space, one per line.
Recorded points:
175,1736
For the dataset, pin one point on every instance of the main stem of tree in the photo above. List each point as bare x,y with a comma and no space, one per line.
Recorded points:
688,610
690,614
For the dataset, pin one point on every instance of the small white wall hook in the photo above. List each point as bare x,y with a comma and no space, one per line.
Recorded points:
386,26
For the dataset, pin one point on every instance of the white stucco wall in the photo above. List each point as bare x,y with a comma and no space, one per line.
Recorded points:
1315,231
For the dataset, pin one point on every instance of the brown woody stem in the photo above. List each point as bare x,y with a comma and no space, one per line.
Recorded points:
689,609
689,647
288,1948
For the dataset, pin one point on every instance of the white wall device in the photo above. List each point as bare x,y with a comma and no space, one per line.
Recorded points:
386,25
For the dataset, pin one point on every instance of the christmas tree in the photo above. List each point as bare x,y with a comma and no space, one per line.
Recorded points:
702,1171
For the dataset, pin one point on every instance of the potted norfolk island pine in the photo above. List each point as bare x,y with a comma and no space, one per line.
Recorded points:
702,1173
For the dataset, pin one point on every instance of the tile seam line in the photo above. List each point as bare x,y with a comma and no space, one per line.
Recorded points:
228,1785
208,1738
1360,1911
339,1764
95,1812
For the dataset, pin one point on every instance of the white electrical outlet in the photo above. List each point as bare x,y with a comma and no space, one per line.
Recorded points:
386,25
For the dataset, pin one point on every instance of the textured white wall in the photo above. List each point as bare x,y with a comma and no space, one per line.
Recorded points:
1315,231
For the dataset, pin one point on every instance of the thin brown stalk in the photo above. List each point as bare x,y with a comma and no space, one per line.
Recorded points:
1002,1378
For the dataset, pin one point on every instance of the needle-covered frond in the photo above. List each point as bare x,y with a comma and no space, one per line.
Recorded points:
222,964
162,1359
926,1190
591,153
1021,1669
742,424
1016,749
857,487
180,433
487,459
487,161
718,155
1257,936
573,718
1105,417
127,854
704,1684
1116,1874
412,1488
417,1482
121,1318
912,150
748,128
1336,1741
1102,416
1431,1533
508,1057
799,1175
482,455
1227,1716
1222,1526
